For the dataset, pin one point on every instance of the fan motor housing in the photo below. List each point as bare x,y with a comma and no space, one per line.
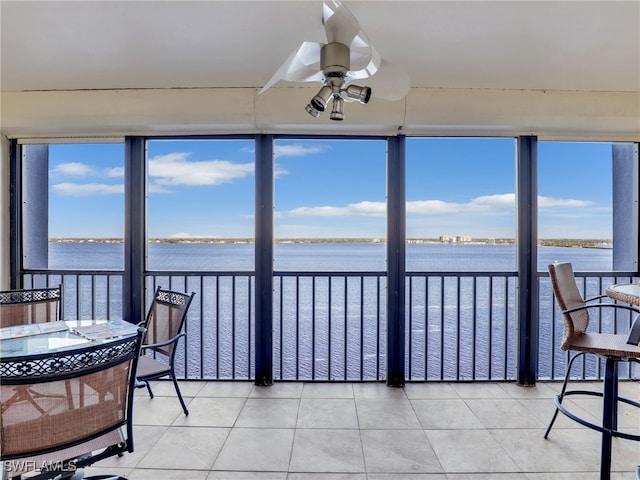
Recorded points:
335,57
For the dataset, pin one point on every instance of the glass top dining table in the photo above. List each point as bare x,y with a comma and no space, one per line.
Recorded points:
42,338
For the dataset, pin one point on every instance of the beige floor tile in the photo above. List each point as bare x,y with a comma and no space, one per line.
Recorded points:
327,390
157,410
165,388
445,414
466,451
377,390
540,390
398,451
503,413
487,476
327,413
269,413
480,390
278,390
144,438
190,448
211,412
430,391
226,389
558,453
227,475
167,474
256,449
386,413
328,476
330,451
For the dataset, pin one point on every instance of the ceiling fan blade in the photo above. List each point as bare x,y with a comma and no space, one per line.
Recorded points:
302,65
368,69
390,82
342,27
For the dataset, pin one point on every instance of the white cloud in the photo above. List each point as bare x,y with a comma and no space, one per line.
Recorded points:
486,204
85,189
297,150
115,172
73,169
549,202
174,169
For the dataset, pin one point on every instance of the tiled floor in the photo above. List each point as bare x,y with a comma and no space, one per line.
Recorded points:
322,431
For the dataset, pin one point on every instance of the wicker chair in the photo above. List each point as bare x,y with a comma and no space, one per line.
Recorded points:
24,307
164,323
95,423
612,348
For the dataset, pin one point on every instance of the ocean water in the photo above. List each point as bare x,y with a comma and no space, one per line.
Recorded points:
330,328
320,257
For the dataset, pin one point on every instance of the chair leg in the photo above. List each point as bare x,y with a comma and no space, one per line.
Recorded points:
146,382
175,384
561,394
608,412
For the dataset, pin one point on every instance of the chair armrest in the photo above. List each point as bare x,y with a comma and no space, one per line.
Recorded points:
604,295
602,305
634,336
163,344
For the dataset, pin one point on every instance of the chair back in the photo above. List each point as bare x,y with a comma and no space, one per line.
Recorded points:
166,317
25,307
79,395
568,296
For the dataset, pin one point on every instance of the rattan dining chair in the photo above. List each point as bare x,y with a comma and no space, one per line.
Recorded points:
29,306
164,322
578,341
65,435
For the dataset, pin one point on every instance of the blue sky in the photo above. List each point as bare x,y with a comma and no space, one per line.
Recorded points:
331,188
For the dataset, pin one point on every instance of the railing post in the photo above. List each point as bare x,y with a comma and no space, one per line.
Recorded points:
396,266
527,252
133,300
264,260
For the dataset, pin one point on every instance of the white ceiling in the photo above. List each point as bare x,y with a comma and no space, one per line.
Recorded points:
104,45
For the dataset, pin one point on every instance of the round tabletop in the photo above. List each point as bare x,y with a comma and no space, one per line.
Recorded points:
628,293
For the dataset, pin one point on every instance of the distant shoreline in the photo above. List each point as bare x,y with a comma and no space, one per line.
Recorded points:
577,243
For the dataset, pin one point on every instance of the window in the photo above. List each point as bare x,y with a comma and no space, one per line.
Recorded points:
200,204
330,207
460,211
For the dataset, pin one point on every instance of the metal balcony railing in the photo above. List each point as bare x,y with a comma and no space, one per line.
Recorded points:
331,326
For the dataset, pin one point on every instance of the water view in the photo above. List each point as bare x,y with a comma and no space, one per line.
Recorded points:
329,325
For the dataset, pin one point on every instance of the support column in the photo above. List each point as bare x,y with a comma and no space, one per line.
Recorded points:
527,252
264,260
133,300
396,261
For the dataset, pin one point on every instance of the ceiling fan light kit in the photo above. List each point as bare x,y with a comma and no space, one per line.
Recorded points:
331,64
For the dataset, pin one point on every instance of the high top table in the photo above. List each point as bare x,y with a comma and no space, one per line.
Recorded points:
628,293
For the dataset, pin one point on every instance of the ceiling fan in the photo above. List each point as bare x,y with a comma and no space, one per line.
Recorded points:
348,55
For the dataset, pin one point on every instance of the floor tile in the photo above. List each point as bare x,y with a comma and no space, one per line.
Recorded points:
327,390
157,410
190,448
167,474
256,450
278,390
226,389
386,413
327,413
480,390
377,390
211,412
227,475
188,388
430,391
398,451
503,413
269,413
144,438
445,414
461,451
331,451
